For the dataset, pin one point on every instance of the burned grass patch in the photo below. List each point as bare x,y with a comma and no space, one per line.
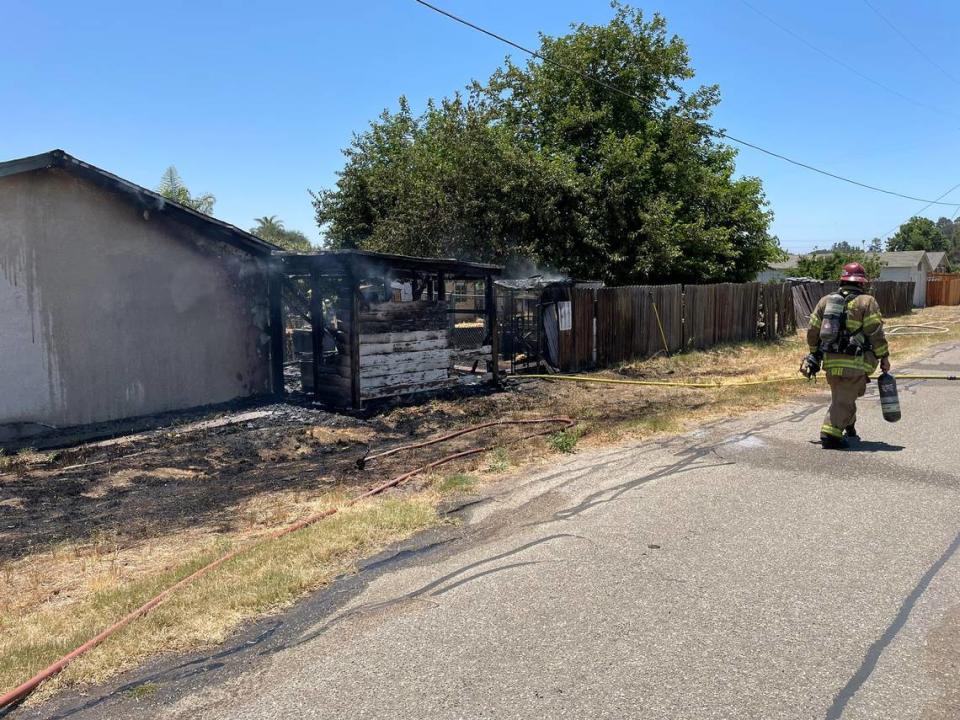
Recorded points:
91,531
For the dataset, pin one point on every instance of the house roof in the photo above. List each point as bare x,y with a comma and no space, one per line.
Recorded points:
791,263
905,259
147,199
936,258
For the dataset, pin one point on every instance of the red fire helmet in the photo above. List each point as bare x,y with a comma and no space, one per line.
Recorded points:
854,273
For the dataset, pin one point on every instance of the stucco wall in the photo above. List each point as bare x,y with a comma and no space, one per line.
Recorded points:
108,314
769,275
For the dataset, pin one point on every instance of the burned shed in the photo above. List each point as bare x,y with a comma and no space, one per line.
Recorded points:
116,302
541,323
379,325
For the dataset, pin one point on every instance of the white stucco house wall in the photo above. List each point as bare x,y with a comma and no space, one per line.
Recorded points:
909,266
116,302
778,271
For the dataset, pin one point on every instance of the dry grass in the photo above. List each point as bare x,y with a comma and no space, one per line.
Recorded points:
60,594
267,577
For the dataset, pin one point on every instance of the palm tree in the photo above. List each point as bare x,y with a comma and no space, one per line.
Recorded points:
173,188
271,229
267,226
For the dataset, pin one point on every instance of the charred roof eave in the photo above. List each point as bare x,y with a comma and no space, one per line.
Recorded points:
356,263
144,198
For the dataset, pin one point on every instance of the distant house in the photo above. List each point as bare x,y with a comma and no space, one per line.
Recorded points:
116,302
775,272
908,266
938,261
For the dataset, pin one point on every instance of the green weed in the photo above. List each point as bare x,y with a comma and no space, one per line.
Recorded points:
455,483
499,461
564,441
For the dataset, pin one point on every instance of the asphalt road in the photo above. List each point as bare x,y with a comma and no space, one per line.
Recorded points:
737,572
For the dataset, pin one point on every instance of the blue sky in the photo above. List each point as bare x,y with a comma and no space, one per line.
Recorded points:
253,101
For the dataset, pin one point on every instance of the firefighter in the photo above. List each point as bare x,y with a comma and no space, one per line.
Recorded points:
846,335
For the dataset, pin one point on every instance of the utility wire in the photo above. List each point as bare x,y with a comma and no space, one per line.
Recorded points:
910,42
715,132
847,66
921,210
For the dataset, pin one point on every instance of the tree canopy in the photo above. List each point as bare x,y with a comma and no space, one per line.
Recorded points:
173,188
271,229
919,233
829,266
540,162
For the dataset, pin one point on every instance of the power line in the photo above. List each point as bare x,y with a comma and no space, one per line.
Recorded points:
910,42
717,133
921,210
847,66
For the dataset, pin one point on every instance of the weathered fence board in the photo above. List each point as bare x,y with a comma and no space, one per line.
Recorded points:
367,349
583,329
406,363
777,311
405,379
943,289
613,325
894,298
627,324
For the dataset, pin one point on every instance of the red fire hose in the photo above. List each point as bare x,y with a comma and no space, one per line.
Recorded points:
20,693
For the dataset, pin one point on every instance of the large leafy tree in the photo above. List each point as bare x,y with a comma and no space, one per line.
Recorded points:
271,229
173,188
542,162
918,233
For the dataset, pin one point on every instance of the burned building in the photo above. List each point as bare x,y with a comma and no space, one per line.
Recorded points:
377,325
116,302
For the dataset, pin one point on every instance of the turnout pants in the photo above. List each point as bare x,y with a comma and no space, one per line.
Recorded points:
844,391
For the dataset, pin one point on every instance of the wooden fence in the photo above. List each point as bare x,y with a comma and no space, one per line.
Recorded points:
617,324
943,289
627,324
894,298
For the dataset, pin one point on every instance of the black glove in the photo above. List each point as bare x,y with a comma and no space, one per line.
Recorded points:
810,366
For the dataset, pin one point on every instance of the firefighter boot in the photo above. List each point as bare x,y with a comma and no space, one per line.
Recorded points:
829,442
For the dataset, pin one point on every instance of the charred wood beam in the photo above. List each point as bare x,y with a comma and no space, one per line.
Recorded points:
275,299
316,327
356,400
490,297
358,263
296,298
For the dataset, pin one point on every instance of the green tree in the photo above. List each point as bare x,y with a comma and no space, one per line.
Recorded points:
844,247
918,233
830,266
173,188
271,229
950,229
543,163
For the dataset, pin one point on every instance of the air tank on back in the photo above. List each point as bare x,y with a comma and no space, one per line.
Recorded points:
889,401
830,327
